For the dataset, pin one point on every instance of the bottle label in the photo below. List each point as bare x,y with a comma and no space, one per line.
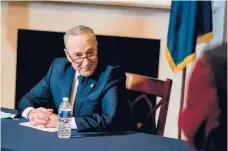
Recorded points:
64,114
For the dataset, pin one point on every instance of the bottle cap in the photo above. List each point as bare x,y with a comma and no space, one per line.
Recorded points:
65,99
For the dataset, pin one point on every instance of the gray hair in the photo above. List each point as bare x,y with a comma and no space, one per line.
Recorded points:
77,30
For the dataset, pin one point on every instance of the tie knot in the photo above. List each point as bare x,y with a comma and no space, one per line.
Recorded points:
80,79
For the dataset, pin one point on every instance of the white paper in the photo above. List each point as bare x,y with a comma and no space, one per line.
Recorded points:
6,115
39,127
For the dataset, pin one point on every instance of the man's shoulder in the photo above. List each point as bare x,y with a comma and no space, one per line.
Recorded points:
61,60
60,64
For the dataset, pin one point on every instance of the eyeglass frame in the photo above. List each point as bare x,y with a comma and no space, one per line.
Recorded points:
74,60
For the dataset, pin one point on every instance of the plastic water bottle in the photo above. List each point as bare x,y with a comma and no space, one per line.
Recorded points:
65,113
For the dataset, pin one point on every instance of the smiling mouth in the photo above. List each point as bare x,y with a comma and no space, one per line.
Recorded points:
88,68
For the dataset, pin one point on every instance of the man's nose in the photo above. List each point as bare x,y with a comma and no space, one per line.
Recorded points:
86,62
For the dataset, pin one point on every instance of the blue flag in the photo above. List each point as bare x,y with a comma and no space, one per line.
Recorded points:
190,22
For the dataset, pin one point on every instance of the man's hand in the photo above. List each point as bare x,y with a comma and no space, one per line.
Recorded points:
53,121
39,116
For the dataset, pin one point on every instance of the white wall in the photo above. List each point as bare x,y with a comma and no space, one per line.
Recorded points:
105,20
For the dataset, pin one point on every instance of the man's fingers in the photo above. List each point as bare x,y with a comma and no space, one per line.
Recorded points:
42,116
43,109
51,110
37,121
31,113
47,111
39,115
48,123
52,122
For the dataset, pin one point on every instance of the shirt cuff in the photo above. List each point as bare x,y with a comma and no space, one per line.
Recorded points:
73,123
26,112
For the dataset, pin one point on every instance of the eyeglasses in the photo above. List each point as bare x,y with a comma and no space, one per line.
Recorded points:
91,58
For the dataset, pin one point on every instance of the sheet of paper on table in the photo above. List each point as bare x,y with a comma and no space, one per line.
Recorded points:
6,115
39,127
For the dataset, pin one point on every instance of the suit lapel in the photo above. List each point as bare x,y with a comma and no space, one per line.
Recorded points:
87,87
67,81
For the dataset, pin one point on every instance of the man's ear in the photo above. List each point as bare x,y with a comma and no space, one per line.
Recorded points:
68,57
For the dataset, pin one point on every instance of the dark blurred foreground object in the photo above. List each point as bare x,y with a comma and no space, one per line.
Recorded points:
204,120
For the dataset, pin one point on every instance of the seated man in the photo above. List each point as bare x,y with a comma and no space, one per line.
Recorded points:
204,120
98,104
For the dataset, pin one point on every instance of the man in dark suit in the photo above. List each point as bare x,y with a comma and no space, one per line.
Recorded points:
98,104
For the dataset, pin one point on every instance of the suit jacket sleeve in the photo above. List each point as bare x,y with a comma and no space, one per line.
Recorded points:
39,95
113,104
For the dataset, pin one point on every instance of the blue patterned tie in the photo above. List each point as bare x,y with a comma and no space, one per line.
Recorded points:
80,82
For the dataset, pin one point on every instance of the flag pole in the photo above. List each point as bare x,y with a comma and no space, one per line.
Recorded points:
182,98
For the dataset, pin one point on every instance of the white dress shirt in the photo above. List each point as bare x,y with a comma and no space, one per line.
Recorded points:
72,99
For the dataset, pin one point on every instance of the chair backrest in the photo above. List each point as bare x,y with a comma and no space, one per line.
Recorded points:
146,86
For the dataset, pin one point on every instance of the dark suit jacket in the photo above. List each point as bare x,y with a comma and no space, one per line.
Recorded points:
101,108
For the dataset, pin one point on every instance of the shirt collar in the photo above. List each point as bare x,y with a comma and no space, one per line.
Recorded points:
77,74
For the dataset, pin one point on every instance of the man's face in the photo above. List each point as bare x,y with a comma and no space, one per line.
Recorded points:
81,51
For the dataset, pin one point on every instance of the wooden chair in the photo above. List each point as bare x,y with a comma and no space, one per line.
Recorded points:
145,87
